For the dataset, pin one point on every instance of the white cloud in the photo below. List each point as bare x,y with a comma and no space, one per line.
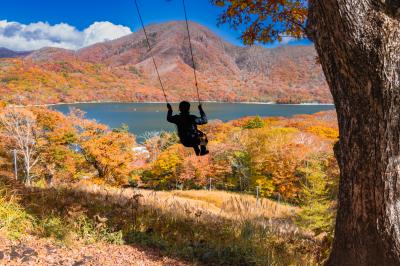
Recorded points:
22,37
103,31
287,40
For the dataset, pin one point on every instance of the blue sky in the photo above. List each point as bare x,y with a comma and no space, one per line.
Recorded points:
81,14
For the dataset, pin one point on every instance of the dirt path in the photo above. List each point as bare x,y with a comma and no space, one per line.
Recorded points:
34,251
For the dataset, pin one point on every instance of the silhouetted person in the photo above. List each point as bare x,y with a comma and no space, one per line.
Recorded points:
186,123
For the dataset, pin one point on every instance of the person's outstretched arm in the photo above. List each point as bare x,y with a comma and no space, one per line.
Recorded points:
170,117
203,118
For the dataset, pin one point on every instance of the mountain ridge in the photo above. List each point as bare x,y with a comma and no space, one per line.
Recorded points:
287,74
7,53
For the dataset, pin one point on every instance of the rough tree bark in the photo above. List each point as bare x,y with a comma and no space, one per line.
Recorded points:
358,43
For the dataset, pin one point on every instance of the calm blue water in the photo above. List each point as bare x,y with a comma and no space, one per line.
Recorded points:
142,117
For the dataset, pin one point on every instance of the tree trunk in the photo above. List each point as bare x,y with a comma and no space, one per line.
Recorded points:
358,43
28,178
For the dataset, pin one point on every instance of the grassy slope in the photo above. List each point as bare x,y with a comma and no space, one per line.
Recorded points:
197,226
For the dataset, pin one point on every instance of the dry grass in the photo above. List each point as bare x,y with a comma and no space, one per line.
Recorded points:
235,205
213,228
207,205
232,226
225,204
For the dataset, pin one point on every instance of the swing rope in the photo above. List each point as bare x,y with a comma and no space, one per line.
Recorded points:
149,50
191,52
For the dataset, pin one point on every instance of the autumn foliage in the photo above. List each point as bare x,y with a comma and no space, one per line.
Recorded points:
285,160
57,148
122,70
265,21
269,153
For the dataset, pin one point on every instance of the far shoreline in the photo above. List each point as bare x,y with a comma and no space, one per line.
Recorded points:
155,102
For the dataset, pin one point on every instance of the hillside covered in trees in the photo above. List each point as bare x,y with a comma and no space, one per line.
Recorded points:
82,182
122,70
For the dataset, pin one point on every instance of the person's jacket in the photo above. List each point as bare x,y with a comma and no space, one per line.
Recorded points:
187,125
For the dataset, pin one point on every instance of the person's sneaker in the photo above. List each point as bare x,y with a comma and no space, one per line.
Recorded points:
204,153
203,150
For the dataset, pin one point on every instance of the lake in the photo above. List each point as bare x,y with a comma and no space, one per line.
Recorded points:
143,117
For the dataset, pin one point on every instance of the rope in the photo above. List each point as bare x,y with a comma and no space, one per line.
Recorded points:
191,52
149,46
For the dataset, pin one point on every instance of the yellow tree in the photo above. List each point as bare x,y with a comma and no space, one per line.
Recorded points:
58,156
164,171
274,160
317,202
111,154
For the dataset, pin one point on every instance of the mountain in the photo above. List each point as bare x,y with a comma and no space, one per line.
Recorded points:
51,54
122,70
6,53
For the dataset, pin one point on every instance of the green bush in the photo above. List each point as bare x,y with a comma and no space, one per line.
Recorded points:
91,231
256,122
317,212
14,220
54,227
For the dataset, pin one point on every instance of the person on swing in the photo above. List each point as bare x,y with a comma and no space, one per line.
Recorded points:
186,124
